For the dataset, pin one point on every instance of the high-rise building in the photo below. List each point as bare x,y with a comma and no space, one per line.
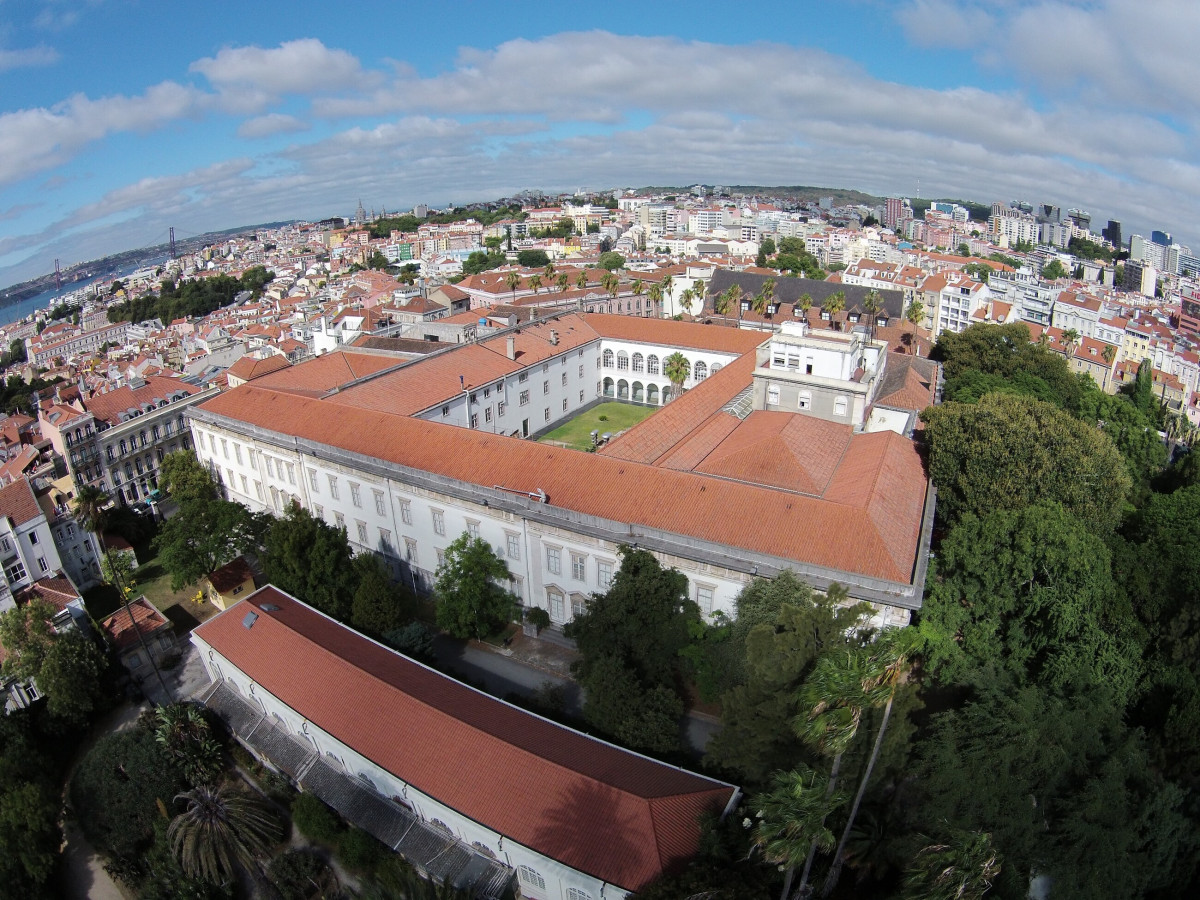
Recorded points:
1162,238
1112,233
1081,218
1049,214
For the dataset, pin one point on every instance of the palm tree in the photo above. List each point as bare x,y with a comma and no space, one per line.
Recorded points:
513,280
548,271
834,304
563,280
185,735
638,287
735,299
962,868
686,298
791,817
1109,353
582,281
611,284
915,312
220,829
535,282
762,300
721,302
893,652
677,368
667,283
872,304
655,296
835,694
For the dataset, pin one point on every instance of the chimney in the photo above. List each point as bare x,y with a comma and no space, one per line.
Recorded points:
512,347
553,338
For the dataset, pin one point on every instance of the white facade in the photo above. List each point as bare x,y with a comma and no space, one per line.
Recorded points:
540,877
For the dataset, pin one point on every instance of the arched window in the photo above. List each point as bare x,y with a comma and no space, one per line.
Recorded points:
622,389
716,367
652,395
639,363
623,361
531,877
639,392
700,371
608,359
651,364
609,388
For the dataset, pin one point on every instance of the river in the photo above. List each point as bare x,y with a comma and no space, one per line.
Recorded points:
46,299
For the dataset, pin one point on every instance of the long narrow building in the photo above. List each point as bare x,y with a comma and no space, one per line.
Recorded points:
787,451
470,789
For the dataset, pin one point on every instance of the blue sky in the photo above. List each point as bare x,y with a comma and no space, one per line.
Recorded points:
120,118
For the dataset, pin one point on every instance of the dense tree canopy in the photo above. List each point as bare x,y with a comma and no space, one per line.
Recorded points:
629,640
1008,451
205,535
185,478
473,600
311,559
196,298
1029,591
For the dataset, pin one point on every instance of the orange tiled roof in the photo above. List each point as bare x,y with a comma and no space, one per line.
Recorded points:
326,372
248,368
111,405
119,627
836,535
18,502
515,773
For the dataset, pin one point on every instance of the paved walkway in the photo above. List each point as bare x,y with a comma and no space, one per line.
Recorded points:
502,672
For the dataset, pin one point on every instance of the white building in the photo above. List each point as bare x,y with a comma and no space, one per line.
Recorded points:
407,457
470,789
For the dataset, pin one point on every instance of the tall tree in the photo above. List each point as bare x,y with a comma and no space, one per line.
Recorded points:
791,818
535,282
513,280
470,601
962,867
221,829
629,641
312,560
205,535
1006,452
832,701
833,304
677,369
184,478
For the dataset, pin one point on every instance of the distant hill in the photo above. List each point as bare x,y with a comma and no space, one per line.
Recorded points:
798,193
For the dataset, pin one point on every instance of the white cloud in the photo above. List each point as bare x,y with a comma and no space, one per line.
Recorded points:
41,55
294,67
272,123
32,140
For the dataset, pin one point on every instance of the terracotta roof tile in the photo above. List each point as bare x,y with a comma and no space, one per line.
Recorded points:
248,368
18,502
520,775
323,374
121,632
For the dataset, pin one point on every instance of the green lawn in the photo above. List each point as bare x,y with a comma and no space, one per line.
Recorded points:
578,432
153,581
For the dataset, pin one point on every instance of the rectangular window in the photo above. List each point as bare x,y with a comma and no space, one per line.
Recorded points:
237,448
839,406
33,538
270,466
258,491
564,379
554,560
545,387
547,415
312,481
385,541
581,371
379,507
361,528
319,512
406,512
773,394
473,528
704,598
804,401
500,408
445,411
410,549
245,486
339,520
474,420
291,470
441,554
253,454
225,448
604,574
556,605
578,567
355,495
524,398
564,404
487,414
439,522
333,488
514,545
42,565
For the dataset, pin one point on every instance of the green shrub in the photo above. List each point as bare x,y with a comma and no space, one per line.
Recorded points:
298,873
360,852
538,617
602,417
414,640
316,821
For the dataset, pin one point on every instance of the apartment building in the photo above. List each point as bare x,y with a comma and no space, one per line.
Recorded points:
117,440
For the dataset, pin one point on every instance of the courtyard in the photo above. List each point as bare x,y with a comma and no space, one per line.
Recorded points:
605,417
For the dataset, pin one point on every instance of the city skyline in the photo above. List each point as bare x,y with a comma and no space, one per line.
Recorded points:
120,120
